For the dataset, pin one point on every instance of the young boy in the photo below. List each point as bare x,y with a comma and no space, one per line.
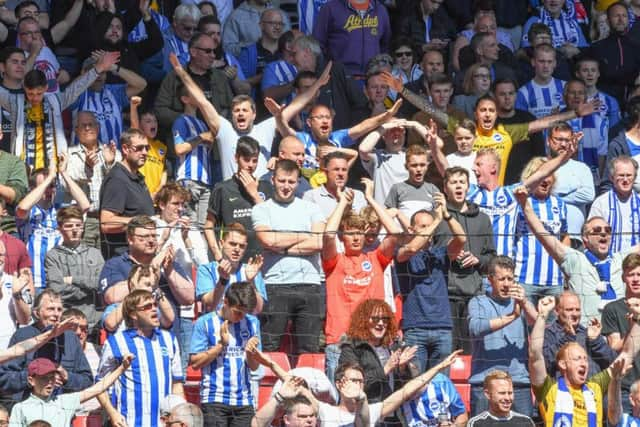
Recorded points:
588,70
224,345
155,168
194,146
57,410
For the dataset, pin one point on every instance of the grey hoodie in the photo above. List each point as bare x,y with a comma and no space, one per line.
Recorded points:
477,225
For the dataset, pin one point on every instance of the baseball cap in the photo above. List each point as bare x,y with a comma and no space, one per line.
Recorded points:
41,366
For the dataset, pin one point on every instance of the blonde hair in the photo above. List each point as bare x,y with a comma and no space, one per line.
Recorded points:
533,165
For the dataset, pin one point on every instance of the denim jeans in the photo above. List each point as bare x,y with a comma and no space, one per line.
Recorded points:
183,328
199,203
522,401
331,358
433,346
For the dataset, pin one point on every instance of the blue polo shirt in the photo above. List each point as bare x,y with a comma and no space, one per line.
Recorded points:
117,269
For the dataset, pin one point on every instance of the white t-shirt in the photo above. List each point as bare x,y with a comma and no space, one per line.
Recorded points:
467,162
227,139
7,310
333,416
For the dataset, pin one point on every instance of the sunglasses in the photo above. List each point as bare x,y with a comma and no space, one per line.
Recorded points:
600,230
148,306
403,53
377,319
138,148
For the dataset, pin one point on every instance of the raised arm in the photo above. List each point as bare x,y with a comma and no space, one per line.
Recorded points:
422,238
435,143
33,344
368,144
106,382
631,344
34,196
329,249
300,101
408,392
367,125
419,102
546,122
291,387
209,113
135,82
551,244
389,243
552,165
537,367
61,29
456,244
614,392
134,118
74,189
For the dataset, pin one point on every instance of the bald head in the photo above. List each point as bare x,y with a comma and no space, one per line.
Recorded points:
189,414
291,148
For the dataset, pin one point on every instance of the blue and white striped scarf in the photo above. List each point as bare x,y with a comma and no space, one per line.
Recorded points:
615,220
563,414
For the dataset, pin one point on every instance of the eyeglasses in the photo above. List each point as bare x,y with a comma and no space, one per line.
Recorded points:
72,225
145,236
600,229
208,51
138,148
274,23
377,319
407,53
148,306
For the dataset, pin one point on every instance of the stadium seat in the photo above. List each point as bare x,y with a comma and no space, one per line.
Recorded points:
311,360
103,336
270,377
460,371
465,394
192,392
264,393
87,421
193,374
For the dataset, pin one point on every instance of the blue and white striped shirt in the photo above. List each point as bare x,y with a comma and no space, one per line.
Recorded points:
627,420
609,108
40,233
107,106
540,100
277,73
196,164
440,397
501,206
307,14
339,138
139,32
138,392
534,265
595,142
207,277
174,44
227,378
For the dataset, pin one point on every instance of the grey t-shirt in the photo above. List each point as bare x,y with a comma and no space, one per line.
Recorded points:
299,215
386,169
409,199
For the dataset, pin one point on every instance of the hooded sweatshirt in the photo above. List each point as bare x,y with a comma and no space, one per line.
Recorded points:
480,242
351,36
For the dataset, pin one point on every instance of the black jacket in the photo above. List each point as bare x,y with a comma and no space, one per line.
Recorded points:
617,71
376,383
442,26
479,231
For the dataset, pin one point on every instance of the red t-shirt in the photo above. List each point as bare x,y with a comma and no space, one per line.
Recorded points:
17,256
350,280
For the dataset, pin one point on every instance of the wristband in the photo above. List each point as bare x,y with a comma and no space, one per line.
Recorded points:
447,218
278,397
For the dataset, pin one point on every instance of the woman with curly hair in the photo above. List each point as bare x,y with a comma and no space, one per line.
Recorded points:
370,336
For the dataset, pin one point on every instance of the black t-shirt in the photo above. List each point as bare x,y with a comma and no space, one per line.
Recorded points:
485,419
125,194
523,151
203,81
230,203
614,319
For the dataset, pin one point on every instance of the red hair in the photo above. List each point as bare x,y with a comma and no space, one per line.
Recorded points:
360,326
